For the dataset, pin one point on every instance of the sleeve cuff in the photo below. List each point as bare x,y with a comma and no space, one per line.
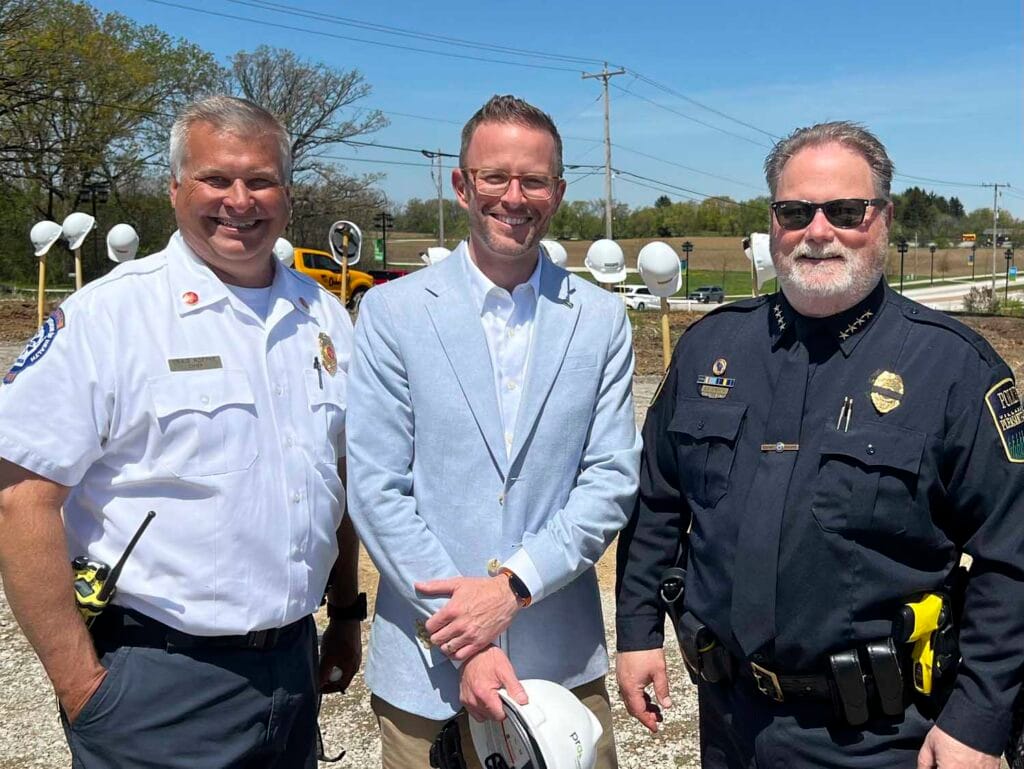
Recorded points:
524,568
639,632
977,727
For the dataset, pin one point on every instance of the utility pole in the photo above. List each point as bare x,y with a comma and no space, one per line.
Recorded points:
605,75
440,188
995,228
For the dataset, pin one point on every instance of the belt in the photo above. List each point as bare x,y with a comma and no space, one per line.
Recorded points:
781,687
126,627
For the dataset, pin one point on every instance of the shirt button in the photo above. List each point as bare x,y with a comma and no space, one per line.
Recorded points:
204,399
700,424
511,332
501,499
289,442
492,566
278,390
296,497
871,448
511,385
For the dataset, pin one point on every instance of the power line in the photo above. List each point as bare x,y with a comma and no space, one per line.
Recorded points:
688,168
334,36
937,181
704,195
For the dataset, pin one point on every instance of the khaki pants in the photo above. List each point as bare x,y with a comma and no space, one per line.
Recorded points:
406,738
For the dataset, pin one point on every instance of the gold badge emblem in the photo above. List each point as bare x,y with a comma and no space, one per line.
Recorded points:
719,366
327,355
886,392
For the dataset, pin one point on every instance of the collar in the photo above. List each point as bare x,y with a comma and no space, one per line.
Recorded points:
194,286
481,286
844,329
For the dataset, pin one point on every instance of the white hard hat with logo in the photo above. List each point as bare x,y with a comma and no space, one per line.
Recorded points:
284,251
606,261
122,243
76,226
658,265
556,252
43,235
553,731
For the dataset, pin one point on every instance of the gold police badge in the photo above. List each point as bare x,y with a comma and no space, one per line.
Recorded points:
886,391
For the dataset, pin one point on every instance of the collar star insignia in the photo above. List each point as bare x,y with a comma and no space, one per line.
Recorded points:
856,325
779,317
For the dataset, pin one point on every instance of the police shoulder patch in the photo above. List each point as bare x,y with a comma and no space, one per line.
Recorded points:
38,345
1004,404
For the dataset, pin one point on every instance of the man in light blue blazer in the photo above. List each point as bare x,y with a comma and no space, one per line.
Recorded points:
493,453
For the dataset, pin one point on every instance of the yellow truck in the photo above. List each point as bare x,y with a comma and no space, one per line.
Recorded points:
321,267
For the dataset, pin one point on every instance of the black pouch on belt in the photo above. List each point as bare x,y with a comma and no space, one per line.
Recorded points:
850,687
888,676
703,655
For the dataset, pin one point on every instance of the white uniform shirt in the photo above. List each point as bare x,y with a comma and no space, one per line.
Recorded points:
155,388
508,327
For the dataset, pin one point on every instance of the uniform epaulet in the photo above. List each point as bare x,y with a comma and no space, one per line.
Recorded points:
918,313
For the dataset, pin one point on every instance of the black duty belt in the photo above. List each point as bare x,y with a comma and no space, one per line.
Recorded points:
126,627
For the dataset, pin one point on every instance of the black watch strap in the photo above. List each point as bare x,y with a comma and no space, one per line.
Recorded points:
355,610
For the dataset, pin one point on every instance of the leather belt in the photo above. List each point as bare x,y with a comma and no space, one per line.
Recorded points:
126,627
781,688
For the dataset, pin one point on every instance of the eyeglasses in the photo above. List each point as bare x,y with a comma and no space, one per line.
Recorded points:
844,213
494,182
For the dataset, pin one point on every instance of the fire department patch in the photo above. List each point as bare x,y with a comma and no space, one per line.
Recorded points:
1004,404
38,345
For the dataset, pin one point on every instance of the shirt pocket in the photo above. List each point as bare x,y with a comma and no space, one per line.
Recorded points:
706,435
326,398
207,421
867,481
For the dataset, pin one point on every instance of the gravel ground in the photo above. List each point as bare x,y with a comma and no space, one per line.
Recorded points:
30,735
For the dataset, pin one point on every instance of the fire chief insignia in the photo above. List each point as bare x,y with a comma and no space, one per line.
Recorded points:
1003,403
327,355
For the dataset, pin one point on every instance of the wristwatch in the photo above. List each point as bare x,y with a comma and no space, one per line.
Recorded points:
518,587
355,610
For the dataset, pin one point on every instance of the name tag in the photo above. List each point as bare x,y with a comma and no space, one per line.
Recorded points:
194,364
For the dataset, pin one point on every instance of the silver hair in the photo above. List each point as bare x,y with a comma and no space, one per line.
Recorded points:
851,135
233,115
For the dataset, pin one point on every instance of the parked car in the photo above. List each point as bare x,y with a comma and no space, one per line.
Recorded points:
707,294
640,298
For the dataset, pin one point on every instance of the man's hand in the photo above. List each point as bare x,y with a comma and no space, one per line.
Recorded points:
341,651
634,672
940,751
73,700
481,678
480,610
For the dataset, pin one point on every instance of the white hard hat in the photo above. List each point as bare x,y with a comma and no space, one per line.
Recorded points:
760,253
556,252
606,261
284,251
658,265
122,243
76,226
553,731
336,241
435,254
44,234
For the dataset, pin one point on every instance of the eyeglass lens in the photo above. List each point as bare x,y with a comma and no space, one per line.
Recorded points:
844,213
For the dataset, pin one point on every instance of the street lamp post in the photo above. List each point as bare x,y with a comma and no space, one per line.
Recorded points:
931,279
1009,258
902,248
687,250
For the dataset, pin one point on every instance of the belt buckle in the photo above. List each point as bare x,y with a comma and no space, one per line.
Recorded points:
263,639
767,682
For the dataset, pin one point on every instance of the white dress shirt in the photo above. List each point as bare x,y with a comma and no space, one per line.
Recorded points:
508,327
156,388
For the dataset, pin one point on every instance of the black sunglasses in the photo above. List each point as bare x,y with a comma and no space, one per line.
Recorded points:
844,213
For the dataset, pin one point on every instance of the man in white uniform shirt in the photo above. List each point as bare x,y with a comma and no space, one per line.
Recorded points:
207,383
493,454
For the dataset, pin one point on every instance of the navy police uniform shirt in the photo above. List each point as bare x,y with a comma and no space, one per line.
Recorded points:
874,446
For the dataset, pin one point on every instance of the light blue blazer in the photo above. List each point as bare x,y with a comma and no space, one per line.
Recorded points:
434,494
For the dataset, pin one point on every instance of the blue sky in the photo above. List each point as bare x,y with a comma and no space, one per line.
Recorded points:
940,82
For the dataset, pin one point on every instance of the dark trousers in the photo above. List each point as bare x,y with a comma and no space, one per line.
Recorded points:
741,729
201,708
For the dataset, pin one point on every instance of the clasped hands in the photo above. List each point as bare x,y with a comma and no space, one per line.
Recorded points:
479,610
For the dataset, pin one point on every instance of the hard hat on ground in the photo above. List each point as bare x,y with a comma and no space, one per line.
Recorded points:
606,261
76,226
284,251
658,265
43,235
556,252
553,731
122,243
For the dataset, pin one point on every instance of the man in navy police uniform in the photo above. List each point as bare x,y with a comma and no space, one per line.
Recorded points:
825,455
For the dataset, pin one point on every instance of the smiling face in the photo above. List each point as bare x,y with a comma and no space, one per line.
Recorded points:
232,203
505,230
824,269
